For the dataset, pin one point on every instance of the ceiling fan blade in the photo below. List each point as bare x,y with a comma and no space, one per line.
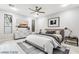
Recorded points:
36,10
39,8
31,9
41,12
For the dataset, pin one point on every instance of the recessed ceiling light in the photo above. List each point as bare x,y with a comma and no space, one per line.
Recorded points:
64,5
13,8
11,5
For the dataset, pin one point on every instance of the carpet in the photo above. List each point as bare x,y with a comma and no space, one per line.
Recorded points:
29,49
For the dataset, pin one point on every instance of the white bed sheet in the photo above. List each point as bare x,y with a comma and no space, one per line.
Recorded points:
46,42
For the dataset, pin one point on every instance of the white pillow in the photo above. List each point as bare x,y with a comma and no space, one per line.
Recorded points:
57,32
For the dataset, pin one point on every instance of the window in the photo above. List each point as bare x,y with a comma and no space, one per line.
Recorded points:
7,23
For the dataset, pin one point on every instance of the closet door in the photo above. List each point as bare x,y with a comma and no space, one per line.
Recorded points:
7,23
33,25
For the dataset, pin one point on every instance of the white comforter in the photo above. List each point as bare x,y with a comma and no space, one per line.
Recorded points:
46,42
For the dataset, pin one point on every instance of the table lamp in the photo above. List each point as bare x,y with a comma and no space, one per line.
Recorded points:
68,30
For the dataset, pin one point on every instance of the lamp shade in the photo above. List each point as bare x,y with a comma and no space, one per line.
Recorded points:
23,22
70,31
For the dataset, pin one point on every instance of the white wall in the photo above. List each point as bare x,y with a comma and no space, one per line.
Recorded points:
2,35
2,21
16,18
41,23
26,18
68,18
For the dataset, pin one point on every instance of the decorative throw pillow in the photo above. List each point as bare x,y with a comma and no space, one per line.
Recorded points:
50,32
57,32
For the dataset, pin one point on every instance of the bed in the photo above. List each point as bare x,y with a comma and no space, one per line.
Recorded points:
48,41
44,42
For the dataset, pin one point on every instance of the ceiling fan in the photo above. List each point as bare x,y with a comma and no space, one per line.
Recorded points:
36,10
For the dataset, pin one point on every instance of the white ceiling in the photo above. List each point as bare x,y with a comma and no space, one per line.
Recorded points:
47,8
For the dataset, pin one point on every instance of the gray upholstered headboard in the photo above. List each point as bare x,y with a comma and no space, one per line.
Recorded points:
53,31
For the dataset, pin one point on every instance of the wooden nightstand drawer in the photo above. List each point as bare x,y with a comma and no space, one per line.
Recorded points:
71,39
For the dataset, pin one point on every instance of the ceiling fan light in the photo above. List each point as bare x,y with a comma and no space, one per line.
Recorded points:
35,15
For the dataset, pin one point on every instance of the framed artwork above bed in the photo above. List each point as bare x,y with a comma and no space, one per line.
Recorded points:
54,22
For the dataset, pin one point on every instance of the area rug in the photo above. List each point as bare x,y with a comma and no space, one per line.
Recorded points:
29,49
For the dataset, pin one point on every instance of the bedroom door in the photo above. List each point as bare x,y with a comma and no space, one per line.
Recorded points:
33,25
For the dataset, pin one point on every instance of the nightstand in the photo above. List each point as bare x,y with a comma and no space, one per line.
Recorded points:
73,39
